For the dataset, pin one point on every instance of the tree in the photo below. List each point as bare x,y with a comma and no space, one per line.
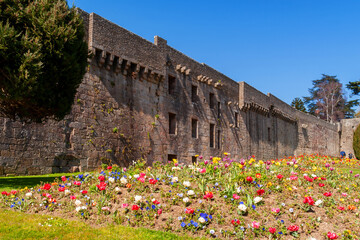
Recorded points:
327,99
356,142
43,58
298,104
354,87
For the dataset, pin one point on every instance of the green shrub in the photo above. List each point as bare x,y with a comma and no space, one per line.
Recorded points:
43,58
356,142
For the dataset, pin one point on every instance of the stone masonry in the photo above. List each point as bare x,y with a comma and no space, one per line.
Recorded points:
147,100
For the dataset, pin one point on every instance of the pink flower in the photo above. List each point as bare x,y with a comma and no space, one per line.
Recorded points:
356,200
275,210
77,183
105,208
206,162
142,174
293,228
72,197
124,205
141,179
293,177
255,224
332,235
344,194
159,211
235,196
109,167
202,170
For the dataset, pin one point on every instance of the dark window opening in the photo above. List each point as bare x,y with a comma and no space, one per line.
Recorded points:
194,159
236,119
212,133
269,138
172,84
194,128
194,93
172,123
218,109
218,139
171,157
212,100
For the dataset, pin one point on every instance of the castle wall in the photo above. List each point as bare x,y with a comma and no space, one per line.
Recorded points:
348,127
123,108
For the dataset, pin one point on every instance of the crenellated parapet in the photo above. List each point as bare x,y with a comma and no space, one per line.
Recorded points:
125,66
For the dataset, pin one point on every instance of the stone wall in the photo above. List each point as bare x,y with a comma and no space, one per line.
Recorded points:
348,127
123,107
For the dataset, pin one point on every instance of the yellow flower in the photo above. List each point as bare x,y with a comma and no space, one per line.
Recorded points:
225,153
175,161
290,188
240,166
295,166
261,162
277,164
341,199
269,184
347,188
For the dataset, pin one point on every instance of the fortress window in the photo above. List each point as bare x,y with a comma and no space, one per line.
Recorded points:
212,137
172,123
218,139
219,109
212,100
269,138
236,119
194,93
171,157
172,84
194,159
194,128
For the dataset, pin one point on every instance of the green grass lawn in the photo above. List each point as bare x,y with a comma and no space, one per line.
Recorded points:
19,182
17,225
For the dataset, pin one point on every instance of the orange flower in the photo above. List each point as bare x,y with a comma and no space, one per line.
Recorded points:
128,185
258,175
351,207
54,183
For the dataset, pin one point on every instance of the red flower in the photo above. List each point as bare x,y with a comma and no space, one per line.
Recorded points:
332,235
152,181
135,207
249,179
321,184
279,176
101,186
101,178
323,178
141,179
341,208
63,178
47,186
272,230
5,193
159,211
309,179
156,202
327,194
235,196
189,210
208,195
235,222
142,174
77,183
109,167
84,192
260,192
72,197
61,189
13,192
293,228
309,200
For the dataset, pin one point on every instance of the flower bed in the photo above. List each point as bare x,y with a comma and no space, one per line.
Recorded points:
305,196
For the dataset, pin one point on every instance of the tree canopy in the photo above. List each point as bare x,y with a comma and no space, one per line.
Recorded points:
43,58
298,104
327,99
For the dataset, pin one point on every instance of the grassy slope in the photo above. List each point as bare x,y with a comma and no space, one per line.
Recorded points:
16,225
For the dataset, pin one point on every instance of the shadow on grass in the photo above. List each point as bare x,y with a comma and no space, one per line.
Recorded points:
19,183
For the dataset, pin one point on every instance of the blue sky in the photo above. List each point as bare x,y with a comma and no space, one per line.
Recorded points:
277,46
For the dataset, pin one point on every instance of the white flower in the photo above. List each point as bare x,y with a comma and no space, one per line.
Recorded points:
175,168
186,199
175,179
190,192
212,231
242,207
77,202
68,184
136,176
123,180
191,166
117,189
186,183
257,199
283,204
305,174
111,179
138,198
29,194
67,191
83,208
318,202
313,175
201,220
78,208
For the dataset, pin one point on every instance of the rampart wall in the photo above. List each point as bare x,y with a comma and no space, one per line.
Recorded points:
147,100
